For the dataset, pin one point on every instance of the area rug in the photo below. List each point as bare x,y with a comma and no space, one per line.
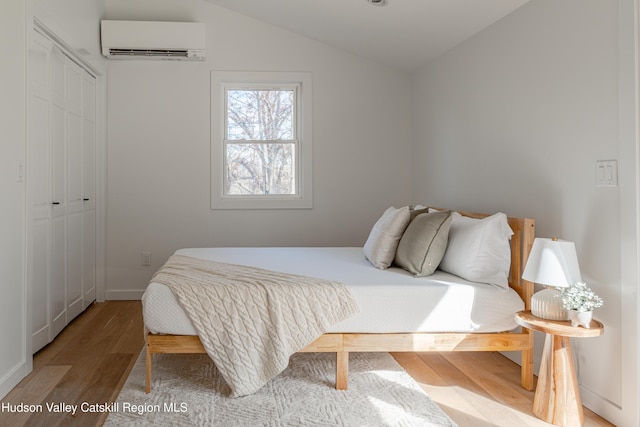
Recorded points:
188,390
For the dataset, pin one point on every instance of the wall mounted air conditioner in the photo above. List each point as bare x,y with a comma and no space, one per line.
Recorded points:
153,40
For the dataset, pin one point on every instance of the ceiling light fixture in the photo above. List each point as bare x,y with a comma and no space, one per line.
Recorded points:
379,3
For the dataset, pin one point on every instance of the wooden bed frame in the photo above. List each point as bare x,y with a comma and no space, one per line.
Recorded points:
344,343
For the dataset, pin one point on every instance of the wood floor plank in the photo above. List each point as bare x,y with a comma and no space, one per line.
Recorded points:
497,385
129,340
92,357
99,389
423,373
472,380
451,373
98,336
494,411
66,337
448,398
35,389
85,365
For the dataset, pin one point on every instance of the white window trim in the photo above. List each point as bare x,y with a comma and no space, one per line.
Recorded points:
304,197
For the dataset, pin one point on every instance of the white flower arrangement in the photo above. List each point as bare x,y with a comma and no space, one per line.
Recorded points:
580,298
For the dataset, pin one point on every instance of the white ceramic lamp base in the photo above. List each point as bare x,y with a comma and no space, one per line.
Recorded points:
547,304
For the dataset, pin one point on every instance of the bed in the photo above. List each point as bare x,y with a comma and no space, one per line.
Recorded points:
398,311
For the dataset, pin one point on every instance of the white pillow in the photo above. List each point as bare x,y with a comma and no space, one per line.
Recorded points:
478,249
380,247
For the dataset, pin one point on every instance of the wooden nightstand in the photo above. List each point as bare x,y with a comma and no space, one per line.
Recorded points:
557,399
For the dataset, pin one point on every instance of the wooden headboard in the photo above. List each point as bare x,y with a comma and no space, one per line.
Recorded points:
521,242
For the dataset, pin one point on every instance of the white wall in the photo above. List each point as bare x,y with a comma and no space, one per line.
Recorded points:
14,363
514,120
159,144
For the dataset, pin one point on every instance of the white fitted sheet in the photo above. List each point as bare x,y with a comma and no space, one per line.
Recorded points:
390,301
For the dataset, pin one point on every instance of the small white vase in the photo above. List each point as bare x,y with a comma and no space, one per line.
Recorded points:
581,318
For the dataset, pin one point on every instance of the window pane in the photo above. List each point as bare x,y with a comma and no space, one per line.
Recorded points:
260,115
260,169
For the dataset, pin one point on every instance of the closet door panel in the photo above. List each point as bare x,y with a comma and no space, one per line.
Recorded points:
89,97
89,187
88,165
39,270
74,135
39,72
89,141
58,130
89,257
58,77
39,167
74,163
58,286
74,189
39,204
74,87
58,169
74,265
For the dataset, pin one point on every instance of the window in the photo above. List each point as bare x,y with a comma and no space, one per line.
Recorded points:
261,140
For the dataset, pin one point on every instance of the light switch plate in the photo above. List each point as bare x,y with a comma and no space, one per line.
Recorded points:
607,173
20,171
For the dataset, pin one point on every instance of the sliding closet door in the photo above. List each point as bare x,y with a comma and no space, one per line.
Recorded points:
89,188
62,189
39,170
58,292
74,189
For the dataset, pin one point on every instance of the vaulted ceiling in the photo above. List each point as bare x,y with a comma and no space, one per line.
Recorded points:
405,34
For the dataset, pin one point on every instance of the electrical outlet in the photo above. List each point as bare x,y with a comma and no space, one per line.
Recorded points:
146,258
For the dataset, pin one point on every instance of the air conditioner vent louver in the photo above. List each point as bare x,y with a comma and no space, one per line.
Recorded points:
148,52
153,40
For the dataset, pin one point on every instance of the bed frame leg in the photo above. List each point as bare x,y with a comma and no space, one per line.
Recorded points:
149,368
527,364
342,370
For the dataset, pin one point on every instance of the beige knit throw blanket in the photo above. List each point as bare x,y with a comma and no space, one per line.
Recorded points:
251,320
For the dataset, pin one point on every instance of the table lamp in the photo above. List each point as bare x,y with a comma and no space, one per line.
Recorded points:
554,264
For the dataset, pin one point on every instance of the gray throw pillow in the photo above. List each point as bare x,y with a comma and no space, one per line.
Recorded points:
423,243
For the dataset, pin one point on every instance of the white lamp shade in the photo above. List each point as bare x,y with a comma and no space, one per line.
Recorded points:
552,263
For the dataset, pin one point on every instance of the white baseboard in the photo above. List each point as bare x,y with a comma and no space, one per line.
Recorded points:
12,378
601,406
123,295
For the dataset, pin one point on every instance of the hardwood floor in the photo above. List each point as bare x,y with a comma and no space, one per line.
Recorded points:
478,389
90,360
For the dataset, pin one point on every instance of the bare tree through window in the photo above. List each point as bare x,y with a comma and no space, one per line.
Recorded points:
260,142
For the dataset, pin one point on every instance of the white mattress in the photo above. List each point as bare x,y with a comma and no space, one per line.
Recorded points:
390,300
